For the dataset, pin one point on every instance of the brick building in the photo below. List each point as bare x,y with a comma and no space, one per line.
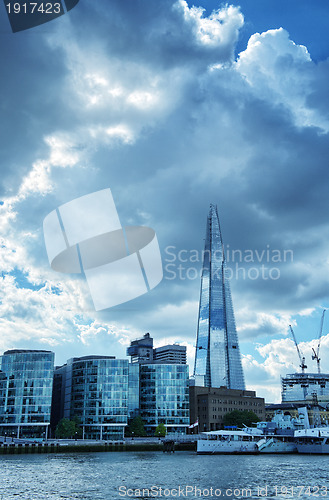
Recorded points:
208,405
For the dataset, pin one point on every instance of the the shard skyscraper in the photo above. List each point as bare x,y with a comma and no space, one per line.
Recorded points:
217,358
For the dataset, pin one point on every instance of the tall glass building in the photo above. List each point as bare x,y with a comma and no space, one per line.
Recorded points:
164,397
133,390
26,380
217,359
95,389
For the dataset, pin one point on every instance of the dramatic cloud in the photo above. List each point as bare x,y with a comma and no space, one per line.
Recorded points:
155,103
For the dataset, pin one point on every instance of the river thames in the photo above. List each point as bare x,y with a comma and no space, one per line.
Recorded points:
104,476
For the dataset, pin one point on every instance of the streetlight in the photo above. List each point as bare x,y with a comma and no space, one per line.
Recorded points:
132,434
76,435
5,436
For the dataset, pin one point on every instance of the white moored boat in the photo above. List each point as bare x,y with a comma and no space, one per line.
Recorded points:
314,441
227,441
279,433
277,444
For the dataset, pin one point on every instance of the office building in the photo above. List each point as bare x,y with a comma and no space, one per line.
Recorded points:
26,381
217,358
303,386
164,397
173,354
209,405
141,351
158,385
133,390
94,389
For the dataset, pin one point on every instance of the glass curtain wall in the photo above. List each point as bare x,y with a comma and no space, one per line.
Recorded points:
164,397
217,358
99,396
26,380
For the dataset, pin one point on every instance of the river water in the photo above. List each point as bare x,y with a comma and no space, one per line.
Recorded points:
107,476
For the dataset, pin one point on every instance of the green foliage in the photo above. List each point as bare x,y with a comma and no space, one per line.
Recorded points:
136,428
68,429
240,418
160,431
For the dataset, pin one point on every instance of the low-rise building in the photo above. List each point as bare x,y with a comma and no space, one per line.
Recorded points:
209,405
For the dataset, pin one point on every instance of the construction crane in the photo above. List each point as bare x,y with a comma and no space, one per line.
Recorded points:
301,358
315,354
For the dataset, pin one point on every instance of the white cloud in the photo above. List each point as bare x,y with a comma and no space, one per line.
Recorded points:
38,181
251,324
220,28
88,332
281,72
121,132
174,317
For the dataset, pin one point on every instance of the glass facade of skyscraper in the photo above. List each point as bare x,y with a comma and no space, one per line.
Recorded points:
164,397
99,395
26,381
217,359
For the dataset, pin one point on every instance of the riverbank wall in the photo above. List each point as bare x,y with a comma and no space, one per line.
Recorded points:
105,446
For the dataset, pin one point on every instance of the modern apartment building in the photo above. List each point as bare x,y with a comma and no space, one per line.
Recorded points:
26,380
94,389
164,397
163,385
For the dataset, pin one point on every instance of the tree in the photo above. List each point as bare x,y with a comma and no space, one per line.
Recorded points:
160,431
78,427
136,427
240,418
68,428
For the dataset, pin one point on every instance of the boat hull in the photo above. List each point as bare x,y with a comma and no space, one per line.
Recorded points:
313,449
283,448
207,447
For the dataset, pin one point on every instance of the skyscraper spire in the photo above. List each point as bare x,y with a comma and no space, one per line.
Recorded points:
217,357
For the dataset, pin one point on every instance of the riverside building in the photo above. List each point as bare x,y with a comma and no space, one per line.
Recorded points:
164,397
163,385
303,386
94,389
209,405
103,392
26,380
217,358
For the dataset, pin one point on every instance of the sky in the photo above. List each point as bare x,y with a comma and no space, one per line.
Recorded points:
172,105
